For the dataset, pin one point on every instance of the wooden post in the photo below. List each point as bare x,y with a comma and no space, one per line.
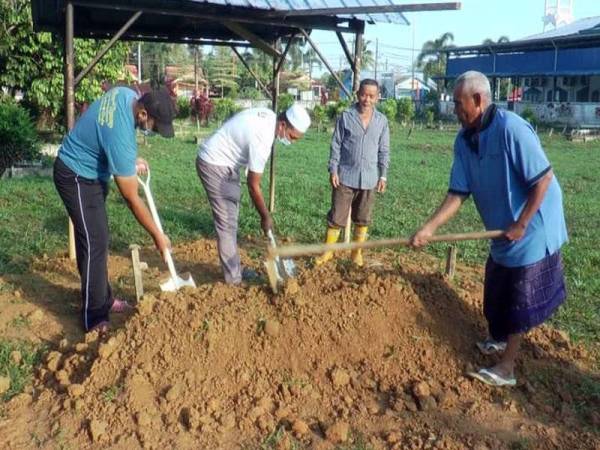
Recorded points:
451,262
69,94
137,271
358,49
274,101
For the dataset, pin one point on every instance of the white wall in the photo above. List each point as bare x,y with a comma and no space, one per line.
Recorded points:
568,113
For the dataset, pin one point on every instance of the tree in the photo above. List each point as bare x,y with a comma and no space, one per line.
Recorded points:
432,59
18,138
501,40
296,56
367,58
156,56
222,70
312,59
261,64
33,63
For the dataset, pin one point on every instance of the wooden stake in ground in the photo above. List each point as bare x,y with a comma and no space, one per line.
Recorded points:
138,267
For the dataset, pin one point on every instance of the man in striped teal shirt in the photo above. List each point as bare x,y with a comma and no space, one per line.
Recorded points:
358,166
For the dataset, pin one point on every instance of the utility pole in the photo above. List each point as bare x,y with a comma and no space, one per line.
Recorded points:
412,81
376,57
196,67
139,61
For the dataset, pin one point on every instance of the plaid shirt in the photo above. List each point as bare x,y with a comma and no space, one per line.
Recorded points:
360,156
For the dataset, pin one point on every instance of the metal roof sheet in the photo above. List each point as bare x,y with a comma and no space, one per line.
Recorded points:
296,5
582,26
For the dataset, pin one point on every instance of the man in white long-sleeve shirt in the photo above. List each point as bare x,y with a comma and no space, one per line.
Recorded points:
245,140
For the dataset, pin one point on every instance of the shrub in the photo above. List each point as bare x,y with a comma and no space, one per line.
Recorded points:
251,93
388,109
337,108
429,116
232,92
319,117
184,110
284,102
18,138
530,117
406,110
223,109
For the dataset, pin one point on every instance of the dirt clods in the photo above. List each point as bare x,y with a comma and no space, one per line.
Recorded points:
371,358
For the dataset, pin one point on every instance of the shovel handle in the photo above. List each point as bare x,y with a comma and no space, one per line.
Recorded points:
152,206
304,250
271,238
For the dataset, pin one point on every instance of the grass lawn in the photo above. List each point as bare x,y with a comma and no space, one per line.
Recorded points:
34,222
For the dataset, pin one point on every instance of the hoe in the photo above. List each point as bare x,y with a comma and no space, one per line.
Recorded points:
276,254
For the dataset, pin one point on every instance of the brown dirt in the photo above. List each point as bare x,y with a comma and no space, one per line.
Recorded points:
342,357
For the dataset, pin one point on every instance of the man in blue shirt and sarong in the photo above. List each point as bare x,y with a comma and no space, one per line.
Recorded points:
103,144
358,164
499,161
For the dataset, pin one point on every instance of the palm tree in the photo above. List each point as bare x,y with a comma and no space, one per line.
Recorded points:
367,57
311,58
501,40
296,56
432,58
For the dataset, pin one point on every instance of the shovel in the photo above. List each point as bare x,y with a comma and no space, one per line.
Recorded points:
275,253
175,282
278,269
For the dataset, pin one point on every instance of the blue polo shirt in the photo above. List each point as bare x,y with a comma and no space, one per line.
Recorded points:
509,161
103,141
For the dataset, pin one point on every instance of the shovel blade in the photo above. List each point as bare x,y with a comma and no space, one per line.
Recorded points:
174,284
273,273
289,267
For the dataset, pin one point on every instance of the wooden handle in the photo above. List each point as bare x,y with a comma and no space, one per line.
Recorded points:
314,249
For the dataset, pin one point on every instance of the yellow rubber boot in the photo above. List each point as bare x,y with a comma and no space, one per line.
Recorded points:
332,236
360,235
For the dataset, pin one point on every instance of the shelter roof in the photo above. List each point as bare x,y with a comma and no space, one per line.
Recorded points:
582,26
566,51
579,34
200,21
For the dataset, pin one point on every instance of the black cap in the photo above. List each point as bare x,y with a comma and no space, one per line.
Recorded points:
159,106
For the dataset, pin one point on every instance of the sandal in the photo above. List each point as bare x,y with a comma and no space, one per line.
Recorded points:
489,377
120,306
491,346
101,327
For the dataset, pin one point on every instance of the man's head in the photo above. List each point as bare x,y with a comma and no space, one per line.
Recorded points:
368,94
155,112
292,124
472,95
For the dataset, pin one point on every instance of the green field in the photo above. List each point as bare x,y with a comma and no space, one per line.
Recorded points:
33,220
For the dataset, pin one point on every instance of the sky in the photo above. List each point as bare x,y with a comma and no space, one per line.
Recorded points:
476,21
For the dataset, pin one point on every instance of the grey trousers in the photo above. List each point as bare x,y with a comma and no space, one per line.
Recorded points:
222,186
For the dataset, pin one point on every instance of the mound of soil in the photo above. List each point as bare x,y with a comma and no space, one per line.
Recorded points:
343,357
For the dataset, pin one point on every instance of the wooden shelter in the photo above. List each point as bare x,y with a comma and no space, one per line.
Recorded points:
269,25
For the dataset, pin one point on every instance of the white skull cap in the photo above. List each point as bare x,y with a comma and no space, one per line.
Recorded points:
298,117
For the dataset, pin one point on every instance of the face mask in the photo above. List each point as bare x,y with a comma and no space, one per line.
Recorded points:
284,140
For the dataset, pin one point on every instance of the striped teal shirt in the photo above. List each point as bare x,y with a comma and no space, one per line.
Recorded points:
360,156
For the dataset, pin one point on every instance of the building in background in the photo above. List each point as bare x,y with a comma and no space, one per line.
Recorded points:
555,74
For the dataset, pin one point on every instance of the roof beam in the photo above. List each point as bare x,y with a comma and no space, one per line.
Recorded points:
349,56
252,38
320,55
376,9
107,47
254,75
